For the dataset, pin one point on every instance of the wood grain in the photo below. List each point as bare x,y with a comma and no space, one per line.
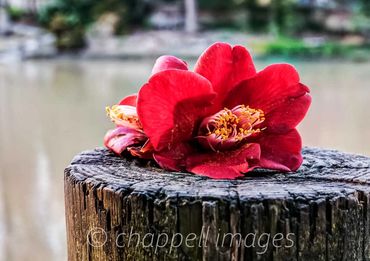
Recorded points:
320,212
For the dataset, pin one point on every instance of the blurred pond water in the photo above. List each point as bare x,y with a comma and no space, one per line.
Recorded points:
51,110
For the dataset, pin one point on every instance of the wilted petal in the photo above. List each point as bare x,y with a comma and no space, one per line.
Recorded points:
120,138
145,151
124,116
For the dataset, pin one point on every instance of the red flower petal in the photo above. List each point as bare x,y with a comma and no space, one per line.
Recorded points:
281,151
120,138
224,165
268,89
129,100
171,104
175,158
288,115
277,91
225,66
166,162
243,66
220,172
167,62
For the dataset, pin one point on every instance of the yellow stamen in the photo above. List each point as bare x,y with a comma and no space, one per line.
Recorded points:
123,115
238,123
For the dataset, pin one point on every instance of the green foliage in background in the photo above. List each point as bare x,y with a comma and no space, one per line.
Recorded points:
274,16
16,13
69,19
218,5
225,13
291,47
365,7
277,17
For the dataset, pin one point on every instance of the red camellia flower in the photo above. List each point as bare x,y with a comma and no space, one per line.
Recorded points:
222,120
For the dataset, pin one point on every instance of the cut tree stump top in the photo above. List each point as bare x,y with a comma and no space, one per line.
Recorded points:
325,204
322,172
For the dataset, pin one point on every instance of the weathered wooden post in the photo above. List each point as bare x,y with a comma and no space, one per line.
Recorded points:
121,209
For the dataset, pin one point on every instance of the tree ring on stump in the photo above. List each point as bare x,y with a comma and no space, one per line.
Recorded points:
126,209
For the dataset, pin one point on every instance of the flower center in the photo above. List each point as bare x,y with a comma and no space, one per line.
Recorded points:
123,115
227,128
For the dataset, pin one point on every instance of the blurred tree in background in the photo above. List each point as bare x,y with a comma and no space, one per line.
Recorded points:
258,15
276,17
365,7
69,20
223,14
217,5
